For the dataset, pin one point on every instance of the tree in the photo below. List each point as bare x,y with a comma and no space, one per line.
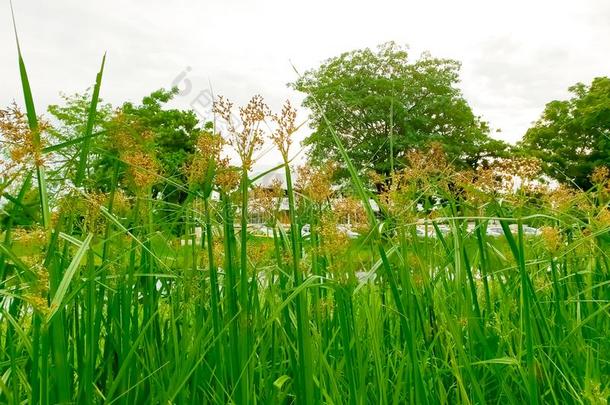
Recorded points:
381,105
165,136
172,132
572,137
168,136
69,123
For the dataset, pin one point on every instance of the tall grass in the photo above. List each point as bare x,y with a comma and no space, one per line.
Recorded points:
109,307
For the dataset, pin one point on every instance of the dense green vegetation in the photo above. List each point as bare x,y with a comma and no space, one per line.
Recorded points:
100,302
572,137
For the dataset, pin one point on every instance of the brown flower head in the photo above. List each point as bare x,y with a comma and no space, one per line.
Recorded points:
208,149
552,238
134,144
282,136
425,164
24,145
601,178
227,177
247,139
266,200
316,182
349,210
142,169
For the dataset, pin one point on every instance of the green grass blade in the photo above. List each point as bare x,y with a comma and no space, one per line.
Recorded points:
33,123
80,171
62,289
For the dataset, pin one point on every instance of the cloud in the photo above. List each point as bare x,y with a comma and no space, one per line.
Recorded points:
516,55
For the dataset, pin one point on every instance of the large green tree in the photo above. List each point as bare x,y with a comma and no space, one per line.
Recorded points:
572,137
167,135
171,133
381,104
69,121
174,133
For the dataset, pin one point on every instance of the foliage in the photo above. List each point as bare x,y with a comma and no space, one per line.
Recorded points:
70,122
174,131
572,137
381,104
24,213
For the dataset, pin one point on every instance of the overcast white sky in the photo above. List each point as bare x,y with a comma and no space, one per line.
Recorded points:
517,55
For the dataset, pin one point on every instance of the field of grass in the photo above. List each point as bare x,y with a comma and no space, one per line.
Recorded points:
99,303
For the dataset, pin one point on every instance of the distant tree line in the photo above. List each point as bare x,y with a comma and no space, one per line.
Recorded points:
378,102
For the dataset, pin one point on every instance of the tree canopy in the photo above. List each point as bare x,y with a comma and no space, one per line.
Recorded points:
170,134
381,104
572,137
69,123
146,139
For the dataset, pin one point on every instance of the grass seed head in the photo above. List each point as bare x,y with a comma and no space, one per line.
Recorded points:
552,238
227,177
24,145
285,121
208,149
316,182
249,137
600,175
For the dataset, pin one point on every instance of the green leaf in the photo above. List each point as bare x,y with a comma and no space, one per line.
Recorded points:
80,172
62,145
62,289
509,361
281,381
33,124
208,181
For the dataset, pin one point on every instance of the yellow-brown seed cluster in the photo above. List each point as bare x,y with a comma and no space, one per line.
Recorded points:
552,238
40,304
93,202
143,169
30,238
133,143
524,168
127,133
490,180
38,290
260,256
282,136
600,175
227,177
249,138
24,145
208,149
316,183
425,170
334,244
513,178
601,178
121,204
561,199
424,164
266,200
350,210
